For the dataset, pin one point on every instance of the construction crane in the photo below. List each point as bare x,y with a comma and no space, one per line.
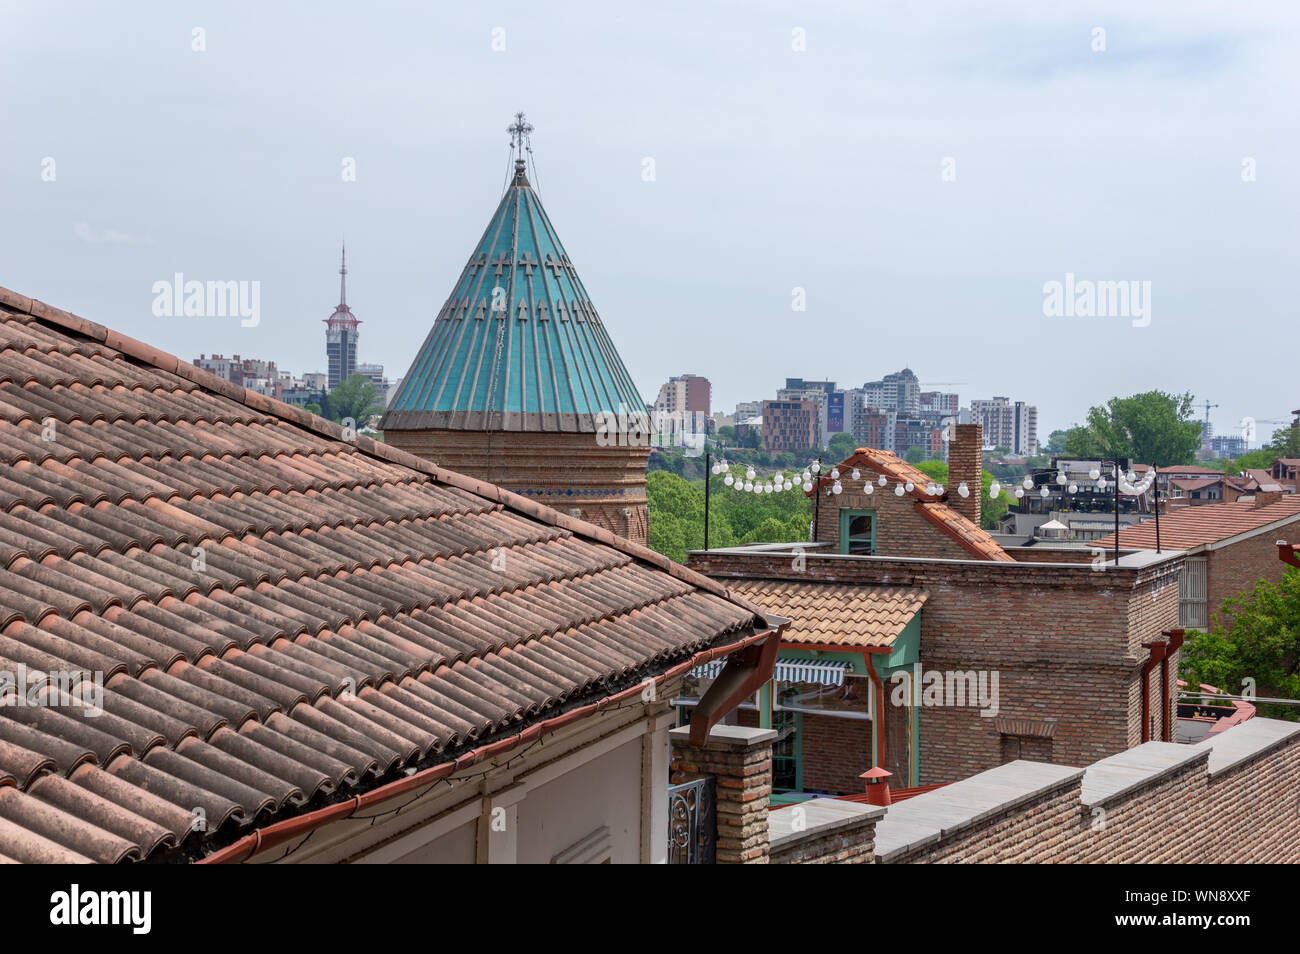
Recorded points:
1207,428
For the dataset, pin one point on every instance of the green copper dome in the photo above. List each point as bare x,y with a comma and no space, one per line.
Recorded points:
518,346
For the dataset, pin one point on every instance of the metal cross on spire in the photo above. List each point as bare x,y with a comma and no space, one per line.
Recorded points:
519,131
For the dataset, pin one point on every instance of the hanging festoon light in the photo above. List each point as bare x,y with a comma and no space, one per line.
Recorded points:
816,467
1027,483
910,486
857,474
883,480
868,488
729,480
749,485
1020,492
963,490
749,473
838,488
1074,488
1045,492
1061,478
938,490
898,490
1094,473
835,473
995,489
807,486
716,468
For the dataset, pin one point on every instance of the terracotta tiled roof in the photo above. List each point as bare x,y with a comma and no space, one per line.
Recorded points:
957,525
1191,527
1195,483
832,614
233,567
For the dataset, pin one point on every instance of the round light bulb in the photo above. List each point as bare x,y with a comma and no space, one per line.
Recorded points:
1074,488
963,490
883,480
807,486
995,489
898,490
838,488
1020,492
835,473
729,480
816,467
910,486
1061,478
1044,492
857,474
868,489
749,474
1028,483
1094,473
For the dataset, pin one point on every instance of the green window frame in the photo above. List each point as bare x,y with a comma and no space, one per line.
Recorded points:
855,538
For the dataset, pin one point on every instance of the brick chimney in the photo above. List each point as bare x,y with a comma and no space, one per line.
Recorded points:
966,462
1265,497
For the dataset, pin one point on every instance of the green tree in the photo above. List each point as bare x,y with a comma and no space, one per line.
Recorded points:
312,409
915,455
1285,442
1253,460
841,447
1055,443
1152,427
991,511
727,434
1263,645
357,398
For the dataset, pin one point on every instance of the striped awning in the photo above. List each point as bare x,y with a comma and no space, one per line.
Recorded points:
824,672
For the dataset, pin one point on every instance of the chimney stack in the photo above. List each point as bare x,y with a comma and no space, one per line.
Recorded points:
1265,497
966,463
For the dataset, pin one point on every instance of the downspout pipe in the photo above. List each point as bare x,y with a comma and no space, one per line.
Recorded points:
745,673
1175,643
1158,650
879,717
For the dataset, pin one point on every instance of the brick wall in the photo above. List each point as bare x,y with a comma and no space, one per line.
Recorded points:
740,759
1236,568
900,530
1064,640
835,752
823,831
1230,799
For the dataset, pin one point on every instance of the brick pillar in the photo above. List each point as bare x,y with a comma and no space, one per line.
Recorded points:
966,462
740,759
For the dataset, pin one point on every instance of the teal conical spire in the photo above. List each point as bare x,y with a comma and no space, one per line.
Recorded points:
518,345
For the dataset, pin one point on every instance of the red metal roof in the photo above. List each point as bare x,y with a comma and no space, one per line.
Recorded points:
1191,527
283,618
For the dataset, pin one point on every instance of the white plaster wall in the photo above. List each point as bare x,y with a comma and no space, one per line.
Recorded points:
457,847
605,791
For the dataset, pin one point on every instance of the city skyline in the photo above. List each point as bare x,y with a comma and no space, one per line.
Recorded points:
824,172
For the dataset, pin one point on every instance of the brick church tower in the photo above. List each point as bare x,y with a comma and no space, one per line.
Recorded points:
518,381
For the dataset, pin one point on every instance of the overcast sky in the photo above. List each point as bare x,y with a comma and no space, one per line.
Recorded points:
775,168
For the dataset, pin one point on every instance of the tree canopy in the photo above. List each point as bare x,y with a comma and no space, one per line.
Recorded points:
1150,428
677,515
1263,645
357,398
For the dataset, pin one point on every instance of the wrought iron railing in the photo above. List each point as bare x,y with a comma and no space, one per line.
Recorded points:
692,822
